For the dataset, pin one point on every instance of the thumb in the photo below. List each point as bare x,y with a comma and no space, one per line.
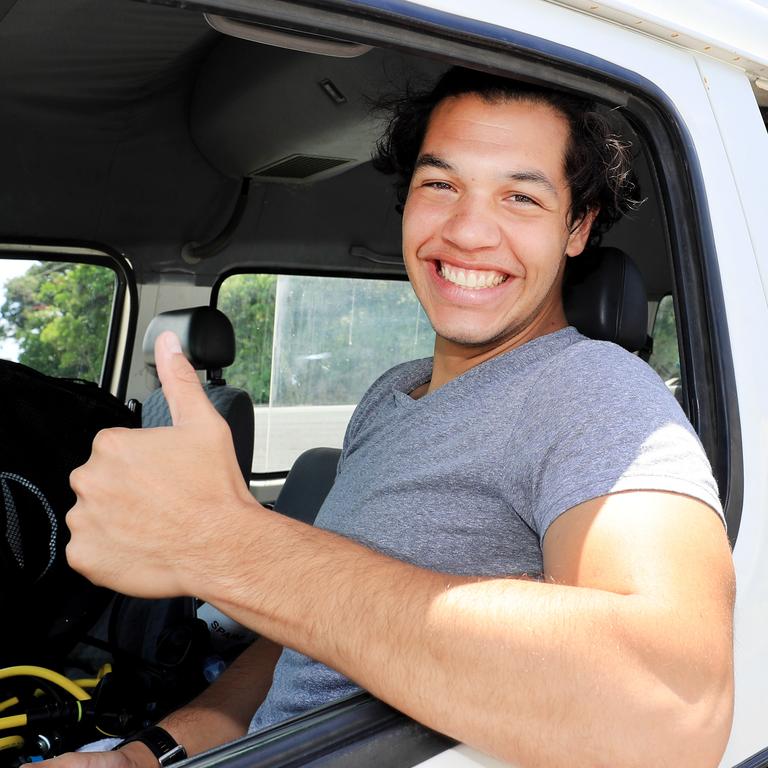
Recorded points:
182,389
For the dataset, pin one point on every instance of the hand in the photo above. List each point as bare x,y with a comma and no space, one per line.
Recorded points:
130,756
151,501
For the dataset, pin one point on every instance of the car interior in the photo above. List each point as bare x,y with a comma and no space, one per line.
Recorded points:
185,149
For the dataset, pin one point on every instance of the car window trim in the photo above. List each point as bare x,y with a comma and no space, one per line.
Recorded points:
346,729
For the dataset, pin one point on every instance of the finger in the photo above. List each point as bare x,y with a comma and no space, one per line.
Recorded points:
182,389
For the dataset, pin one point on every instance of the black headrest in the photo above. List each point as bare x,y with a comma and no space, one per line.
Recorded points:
206,335
604,297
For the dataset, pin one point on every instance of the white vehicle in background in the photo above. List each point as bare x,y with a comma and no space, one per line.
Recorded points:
127,130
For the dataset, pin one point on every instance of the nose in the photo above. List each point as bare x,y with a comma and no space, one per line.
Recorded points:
472,225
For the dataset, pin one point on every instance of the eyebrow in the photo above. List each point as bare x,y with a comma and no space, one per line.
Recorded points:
533,177
432,161
530,176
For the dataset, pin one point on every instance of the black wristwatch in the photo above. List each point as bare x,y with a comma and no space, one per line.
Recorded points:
162,745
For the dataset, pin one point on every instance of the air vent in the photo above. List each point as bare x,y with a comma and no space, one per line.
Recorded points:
299,167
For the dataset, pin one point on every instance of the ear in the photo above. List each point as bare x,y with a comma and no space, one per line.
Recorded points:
577,239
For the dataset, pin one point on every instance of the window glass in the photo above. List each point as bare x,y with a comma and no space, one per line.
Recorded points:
54,316
665,359
309,347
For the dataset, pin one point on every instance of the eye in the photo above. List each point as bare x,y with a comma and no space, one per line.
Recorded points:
440,185
522,199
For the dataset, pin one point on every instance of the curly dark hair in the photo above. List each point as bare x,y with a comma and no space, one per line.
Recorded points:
597,160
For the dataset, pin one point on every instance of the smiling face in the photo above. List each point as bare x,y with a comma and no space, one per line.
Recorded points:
486,229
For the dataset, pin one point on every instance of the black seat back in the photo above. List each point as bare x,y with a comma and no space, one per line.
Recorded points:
605,298
308,483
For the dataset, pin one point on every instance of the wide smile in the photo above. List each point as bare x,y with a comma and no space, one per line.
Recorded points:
477,286
471,279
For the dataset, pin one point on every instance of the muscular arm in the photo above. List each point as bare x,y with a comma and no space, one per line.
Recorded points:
622,657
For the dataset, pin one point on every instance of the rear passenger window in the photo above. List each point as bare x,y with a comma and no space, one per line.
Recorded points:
307,349
55,316
665,359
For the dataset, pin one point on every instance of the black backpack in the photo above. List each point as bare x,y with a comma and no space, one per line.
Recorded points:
47,426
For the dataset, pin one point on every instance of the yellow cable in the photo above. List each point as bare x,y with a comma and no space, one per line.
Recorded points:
49,675
8,703
14,721
92,682
104,671
11,742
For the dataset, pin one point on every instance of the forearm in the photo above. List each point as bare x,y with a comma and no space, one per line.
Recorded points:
539,673
222,711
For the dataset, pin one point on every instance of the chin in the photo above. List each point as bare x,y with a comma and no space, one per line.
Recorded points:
468,337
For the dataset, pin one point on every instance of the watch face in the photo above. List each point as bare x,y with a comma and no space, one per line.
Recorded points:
175,755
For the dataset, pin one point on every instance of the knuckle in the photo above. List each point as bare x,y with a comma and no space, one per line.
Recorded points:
102,439
72,518
76,478
108,440
71,553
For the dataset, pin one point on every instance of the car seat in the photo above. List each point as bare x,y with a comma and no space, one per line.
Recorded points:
605,298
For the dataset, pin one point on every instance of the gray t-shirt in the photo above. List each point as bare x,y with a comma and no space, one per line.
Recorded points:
467,479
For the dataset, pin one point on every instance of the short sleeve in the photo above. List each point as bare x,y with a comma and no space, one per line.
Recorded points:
599,421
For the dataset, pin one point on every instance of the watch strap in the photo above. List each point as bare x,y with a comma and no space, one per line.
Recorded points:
162,745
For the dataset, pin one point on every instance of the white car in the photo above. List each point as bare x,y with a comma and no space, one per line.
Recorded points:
127,132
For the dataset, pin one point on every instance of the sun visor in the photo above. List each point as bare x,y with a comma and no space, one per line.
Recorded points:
288,116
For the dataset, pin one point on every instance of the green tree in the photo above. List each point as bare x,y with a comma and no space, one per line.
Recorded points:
58,313
249,302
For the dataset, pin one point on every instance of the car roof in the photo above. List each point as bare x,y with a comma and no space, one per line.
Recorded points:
132,125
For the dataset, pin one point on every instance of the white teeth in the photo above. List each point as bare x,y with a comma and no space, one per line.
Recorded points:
474,279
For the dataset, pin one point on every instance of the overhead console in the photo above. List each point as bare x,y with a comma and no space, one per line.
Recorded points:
289,116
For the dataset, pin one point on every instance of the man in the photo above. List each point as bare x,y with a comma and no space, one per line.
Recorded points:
522,565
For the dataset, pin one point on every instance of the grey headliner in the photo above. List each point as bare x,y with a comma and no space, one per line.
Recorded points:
95,144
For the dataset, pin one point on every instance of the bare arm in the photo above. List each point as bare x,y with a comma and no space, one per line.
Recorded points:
623,658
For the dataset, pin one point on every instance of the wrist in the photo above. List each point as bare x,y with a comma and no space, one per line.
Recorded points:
163,749
222,566
138,754
213,546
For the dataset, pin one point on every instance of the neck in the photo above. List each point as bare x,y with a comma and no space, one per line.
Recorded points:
452,358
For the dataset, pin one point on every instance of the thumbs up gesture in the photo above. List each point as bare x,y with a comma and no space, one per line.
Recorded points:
151,501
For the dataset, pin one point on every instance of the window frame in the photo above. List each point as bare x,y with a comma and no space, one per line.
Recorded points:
706,360
709,388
